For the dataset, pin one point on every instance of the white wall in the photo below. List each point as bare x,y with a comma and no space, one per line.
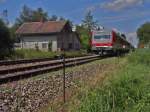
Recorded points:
57,41
32,41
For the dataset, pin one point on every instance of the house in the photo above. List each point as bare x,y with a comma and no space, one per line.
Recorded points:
50,35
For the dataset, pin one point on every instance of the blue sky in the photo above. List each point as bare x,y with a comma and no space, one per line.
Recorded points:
124,15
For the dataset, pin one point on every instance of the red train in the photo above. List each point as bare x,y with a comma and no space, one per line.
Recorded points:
108,41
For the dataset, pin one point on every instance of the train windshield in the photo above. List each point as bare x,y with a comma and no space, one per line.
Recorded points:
102,37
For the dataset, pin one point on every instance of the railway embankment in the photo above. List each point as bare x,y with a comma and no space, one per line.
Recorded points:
29,95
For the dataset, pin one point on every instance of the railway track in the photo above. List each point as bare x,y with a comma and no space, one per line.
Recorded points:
16,70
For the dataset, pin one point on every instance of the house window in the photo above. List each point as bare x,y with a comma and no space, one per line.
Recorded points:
70,45
44,45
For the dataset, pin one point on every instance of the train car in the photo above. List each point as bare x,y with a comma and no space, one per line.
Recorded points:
108,42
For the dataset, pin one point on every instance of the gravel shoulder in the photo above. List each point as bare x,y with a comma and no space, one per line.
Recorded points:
30,95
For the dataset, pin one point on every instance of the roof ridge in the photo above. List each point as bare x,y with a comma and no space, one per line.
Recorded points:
41,27
55,21
43,22
31,22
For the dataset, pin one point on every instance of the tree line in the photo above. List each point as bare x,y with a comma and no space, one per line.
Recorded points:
29,15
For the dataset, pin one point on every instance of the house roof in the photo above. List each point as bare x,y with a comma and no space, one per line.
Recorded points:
41,27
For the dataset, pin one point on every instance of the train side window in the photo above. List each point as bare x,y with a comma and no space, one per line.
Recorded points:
102,36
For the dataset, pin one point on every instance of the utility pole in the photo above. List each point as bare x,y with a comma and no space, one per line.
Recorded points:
64,77
62,57
64,74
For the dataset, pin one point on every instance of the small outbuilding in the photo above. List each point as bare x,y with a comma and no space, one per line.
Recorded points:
50,35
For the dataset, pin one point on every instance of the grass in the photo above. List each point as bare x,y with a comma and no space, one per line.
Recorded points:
31,54
126,90
140,56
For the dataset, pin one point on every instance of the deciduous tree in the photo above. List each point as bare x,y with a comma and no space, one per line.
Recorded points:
53,18
29,15
89,21
144,33
84,36
84,30
6,43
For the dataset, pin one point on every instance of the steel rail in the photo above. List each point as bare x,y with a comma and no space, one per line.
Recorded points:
8,75
24,61
11,69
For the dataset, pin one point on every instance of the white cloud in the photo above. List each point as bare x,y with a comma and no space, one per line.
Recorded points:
129,16
121,4
117,5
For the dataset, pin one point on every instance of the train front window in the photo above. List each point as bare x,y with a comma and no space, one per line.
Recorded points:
102,37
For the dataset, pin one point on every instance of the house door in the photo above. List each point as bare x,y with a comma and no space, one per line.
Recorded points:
54,45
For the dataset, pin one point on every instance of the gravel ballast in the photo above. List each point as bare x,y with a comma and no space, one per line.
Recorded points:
29,95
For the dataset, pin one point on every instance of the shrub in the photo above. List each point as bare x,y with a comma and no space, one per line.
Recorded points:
140,56
127,91
31,54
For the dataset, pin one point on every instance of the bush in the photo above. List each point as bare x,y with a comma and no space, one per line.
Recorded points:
31,54
127,91
6,43
140,56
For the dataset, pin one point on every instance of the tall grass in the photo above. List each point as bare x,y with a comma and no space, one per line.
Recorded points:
128,91
31,54
140,56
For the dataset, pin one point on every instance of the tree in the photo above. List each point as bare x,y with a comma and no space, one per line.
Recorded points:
84,30
84,36
62,18
29,15
89,21
39,15
25,16
6,43
144,33
53,18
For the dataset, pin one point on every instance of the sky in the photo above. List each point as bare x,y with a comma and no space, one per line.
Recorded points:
124,15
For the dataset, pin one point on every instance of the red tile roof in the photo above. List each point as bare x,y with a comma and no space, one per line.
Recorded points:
41,27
